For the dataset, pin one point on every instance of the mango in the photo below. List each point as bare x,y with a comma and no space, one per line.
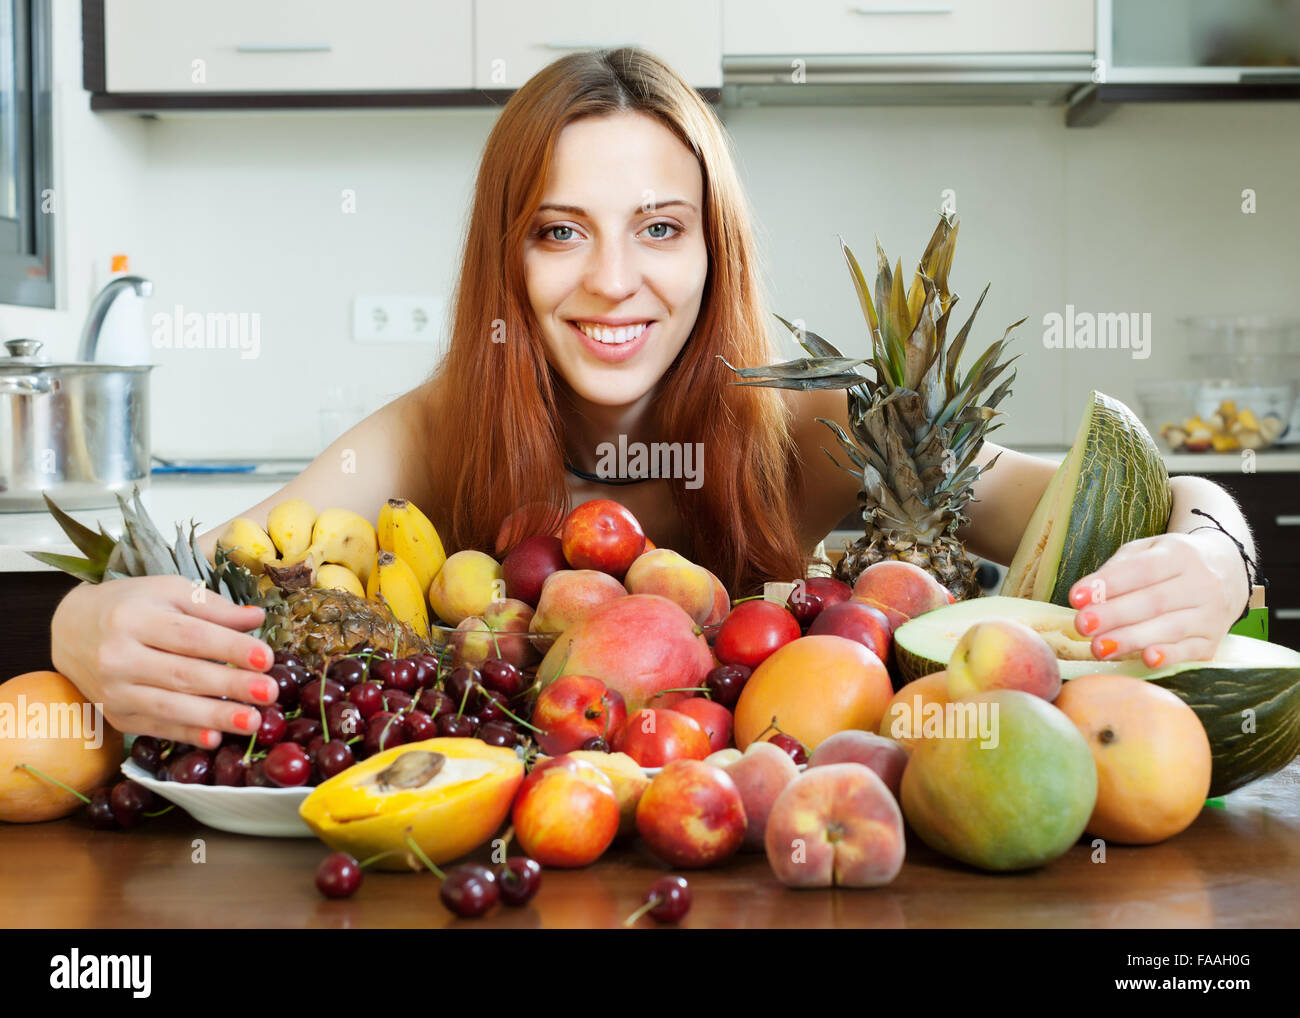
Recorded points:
1009,786
466,584
448,795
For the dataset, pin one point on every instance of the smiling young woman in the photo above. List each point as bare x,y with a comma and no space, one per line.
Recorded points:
608,264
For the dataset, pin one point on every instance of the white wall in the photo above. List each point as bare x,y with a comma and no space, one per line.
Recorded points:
233,213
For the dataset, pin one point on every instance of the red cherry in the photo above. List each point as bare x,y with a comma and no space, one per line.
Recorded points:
338,876
792,746
288,765
725,683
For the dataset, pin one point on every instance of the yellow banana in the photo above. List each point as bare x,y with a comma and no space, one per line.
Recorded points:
372,581
397,588
290,526
346,539
336,577
247,545
409,534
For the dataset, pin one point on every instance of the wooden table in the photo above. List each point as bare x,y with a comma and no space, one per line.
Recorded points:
1236,866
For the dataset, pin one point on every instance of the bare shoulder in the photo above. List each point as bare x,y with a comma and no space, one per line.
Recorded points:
829,492
380,457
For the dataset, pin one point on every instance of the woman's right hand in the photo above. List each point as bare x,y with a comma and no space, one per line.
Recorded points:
148,651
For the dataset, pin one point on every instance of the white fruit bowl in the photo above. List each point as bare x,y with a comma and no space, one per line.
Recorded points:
262,812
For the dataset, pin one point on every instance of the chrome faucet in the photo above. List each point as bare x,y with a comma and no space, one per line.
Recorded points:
99,311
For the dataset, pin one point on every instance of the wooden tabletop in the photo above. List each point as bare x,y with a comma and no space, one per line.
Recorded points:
1235,867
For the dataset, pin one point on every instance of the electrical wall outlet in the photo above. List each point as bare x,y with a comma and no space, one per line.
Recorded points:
398,319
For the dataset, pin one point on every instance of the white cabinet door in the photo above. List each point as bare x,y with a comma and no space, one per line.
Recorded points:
844,27
513,40
287,45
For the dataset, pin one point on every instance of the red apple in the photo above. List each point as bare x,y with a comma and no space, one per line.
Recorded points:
654,736
829,589
752,631
525,569
692,814
714,718
602,534
575,708
565,813
857,621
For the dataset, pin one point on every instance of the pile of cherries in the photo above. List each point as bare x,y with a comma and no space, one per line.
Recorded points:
366,701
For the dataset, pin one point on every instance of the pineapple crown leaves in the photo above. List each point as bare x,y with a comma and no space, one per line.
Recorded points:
141,551
918,424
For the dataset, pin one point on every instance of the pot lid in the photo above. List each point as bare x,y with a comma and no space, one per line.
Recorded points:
25,356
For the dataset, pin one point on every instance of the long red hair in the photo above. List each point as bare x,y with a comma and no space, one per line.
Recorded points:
499,443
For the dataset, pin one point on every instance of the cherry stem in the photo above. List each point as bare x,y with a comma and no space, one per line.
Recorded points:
252,741
55,781
375,858
515,717
651,902
463,698
424,858
752,597
684,689
160,812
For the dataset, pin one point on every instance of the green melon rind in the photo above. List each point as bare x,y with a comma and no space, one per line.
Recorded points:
1250,683
1116,487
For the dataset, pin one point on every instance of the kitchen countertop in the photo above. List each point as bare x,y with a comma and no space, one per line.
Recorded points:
1234,867
210,499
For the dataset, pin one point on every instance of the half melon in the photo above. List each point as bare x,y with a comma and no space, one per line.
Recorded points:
1111,488
1247,697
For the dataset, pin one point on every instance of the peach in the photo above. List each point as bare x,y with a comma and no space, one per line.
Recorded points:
761,773
569,596
466,584
480,637
721,603
640,645
629,782
726,757
884,756
1003,654
901,590
814,686
835,826
602,534
691,815
670,575
566,812
906,713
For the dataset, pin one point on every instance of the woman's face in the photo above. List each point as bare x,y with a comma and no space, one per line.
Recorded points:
615,273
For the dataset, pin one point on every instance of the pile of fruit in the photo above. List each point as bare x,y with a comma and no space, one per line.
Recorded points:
1226,430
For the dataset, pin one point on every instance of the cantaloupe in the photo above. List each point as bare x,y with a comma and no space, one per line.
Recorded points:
1110,489
46,724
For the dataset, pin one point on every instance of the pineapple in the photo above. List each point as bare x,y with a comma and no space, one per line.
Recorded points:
315,624
917,425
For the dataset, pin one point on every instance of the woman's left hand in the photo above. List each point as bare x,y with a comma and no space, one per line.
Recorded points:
1173,597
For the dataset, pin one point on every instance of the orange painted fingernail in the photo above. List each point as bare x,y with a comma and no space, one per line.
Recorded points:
264,689
211,738
1086,622
248,721
259,658
1155,659
1080,596
1107,647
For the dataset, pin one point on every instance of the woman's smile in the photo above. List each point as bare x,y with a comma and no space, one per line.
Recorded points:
611,344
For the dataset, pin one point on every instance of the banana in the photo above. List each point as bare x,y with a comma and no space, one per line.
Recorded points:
346,539
372,582
397,587
338,577
248,545
290,526
409,534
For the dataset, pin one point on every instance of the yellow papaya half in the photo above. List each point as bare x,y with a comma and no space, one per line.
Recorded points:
447,795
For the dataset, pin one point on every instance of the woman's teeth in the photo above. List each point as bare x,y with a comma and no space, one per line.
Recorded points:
604,334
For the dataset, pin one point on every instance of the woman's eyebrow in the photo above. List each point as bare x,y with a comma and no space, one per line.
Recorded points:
575,210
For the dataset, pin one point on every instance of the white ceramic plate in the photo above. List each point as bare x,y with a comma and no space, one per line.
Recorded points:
263,812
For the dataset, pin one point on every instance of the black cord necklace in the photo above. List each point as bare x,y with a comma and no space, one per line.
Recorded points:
597,479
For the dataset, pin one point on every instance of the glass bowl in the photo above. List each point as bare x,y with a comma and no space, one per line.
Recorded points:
1218,415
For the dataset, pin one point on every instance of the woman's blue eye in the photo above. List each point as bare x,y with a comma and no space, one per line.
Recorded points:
549,232
669,226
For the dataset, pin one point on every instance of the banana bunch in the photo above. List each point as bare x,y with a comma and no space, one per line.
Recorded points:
339,549
305,548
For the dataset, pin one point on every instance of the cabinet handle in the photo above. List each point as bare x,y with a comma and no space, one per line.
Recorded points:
902,9
1286,614
283,47
1288,521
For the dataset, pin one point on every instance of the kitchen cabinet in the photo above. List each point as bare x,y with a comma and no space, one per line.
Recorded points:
513,41
287,46
158,55
833,27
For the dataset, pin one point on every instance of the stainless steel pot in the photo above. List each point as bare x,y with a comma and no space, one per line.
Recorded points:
77,432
